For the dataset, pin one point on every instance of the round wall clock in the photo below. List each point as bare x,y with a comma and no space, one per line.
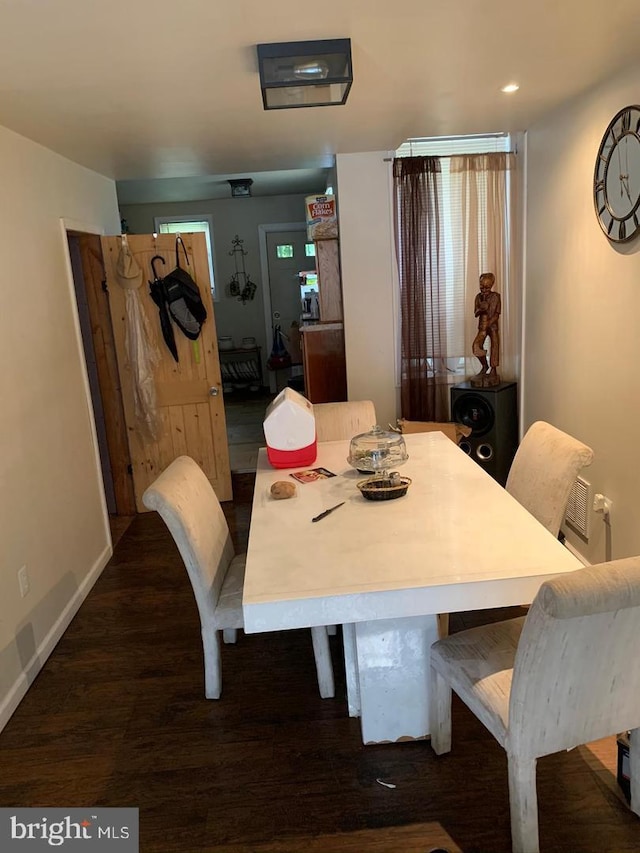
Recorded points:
616,178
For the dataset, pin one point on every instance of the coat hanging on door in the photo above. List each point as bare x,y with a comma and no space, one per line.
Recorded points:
178,299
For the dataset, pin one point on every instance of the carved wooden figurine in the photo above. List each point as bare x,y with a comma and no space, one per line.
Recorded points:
487,309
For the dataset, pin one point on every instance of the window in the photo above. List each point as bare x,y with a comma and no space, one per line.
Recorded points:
310,250
455,238
195,223
284,251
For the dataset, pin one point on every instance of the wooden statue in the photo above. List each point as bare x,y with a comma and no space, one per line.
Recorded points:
487,309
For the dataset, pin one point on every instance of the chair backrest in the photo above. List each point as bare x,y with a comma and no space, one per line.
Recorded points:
187,504
576,675
335,421
543,471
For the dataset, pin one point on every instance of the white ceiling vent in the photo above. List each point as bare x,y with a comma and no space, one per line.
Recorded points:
578,507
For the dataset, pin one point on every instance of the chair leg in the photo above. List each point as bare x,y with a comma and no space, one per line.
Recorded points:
229,635
324,667
439,713
634,769
443,625
523,803
212,664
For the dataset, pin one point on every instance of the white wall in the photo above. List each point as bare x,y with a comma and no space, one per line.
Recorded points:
583,312
231,216
368,284
52,515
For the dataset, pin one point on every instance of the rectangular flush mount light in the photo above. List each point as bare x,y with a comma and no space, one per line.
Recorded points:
305,73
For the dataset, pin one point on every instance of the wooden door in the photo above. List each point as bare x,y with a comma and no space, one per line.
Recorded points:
189,392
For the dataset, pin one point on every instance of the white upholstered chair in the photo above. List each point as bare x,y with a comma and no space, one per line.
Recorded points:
543,471
335,421
564,675
185,500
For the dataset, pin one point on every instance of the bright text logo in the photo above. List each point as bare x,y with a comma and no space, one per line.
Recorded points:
34,829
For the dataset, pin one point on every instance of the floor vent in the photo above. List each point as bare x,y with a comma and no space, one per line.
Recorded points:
578,506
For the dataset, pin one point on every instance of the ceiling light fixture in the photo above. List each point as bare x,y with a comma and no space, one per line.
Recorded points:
305,73
241,187
511,87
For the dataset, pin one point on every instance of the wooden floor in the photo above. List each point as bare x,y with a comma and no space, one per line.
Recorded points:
117,717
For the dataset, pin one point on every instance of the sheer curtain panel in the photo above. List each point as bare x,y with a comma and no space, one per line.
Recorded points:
481,190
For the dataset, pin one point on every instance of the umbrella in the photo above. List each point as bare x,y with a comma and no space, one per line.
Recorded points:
159,295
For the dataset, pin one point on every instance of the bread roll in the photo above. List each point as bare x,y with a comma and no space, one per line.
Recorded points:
282,489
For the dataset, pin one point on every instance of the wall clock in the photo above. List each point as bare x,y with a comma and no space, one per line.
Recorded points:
616,178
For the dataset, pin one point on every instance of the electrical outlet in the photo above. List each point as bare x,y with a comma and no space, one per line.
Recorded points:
23,580
602,505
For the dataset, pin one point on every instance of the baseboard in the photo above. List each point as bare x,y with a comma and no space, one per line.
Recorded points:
18,690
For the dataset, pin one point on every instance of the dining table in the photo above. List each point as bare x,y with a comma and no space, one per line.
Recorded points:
384,570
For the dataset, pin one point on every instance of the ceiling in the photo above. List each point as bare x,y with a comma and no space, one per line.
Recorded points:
148,90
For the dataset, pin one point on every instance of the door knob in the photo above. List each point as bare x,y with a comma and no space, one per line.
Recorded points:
213,391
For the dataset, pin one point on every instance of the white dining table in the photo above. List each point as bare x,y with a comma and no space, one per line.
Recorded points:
384,569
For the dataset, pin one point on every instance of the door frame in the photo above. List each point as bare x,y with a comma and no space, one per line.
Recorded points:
263,230
107,380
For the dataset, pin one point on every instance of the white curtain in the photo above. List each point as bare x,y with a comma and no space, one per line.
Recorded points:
483,190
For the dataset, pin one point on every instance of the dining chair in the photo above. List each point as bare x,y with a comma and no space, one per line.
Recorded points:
186,502
563,675
544,470
336,421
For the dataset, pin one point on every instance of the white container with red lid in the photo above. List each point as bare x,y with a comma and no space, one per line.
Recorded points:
290,431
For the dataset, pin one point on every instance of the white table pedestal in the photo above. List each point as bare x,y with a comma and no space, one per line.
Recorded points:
387,664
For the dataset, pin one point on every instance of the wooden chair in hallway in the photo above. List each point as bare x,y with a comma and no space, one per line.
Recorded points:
544,470
562,676
336,421
185,500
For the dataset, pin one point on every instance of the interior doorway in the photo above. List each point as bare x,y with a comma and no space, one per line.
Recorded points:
87,271
84,318
188,386
282,295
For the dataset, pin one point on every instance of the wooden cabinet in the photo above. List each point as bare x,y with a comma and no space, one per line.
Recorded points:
323,355
323,358
329,281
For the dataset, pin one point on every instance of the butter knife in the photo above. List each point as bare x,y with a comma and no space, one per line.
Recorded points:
326,512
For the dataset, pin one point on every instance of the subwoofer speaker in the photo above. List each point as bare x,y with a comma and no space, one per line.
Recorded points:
492,414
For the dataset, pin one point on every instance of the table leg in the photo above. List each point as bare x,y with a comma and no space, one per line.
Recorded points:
392,659
351,669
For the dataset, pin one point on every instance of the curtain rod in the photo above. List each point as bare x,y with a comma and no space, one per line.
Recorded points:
469,137
460,154
497,135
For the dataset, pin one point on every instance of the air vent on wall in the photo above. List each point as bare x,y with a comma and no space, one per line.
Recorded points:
578,506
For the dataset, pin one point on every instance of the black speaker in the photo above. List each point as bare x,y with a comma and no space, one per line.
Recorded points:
492,414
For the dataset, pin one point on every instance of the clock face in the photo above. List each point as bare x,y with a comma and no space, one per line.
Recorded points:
616,178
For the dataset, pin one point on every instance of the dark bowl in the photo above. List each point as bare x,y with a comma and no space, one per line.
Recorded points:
380,489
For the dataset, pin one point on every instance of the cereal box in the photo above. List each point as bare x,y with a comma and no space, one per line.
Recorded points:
322,222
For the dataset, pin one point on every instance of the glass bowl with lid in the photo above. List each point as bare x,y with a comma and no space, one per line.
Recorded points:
377,451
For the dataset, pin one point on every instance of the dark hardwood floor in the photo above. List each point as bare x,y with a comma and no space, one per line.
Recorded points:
117,717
